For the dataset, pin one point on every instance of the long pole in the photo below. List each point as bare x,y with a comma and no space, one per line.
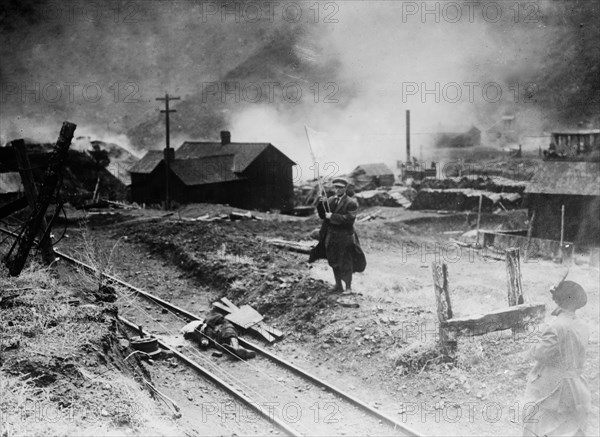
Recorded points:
408,136
166,99
479,216
562,225
322,192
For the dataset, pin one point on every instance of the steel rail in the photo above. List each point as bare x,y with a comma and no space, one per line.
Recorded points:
409,432
219,382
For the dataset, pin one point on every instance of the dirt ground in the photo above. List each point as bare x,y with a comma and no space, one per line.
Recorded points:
383,350
378,342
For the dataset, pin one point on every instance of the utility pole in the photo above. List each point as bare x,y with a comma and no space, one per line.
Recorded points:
168,153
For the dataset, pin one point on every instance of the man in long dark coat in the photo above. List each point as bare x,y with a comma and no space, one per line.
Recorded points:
337,236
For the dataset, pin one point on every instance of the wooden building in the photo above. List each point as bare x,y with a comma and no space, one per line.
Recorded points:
574,145
371,176
576,185
245,175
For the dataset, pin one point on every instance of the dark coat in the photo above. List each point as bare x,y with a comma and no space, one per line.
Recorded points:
338,241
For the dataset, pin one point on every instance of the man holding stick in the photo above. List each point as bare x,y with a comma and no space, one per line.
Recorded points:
337,236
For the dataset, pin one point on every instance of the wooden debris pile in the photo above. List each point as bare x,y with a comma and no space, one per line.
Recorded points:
247,318
233,216
493,184
459,199
371,176
395,197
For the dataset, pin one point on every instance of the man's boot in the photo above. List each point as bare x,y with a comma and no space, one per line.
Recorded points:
338,281
348,281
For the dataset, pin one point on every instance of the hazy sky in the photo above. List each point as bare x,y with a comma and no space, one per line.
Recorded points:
348,69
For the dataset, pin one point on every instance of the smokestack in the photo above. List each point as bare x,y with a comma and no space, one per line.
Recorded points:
407,135
225,137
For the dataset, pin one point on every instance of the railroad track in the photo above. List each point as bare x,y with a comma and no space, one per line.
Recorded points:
294,400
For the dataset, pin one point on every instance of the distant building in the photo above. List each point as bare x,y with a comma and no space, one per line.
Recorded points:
574,145
417,170
576,185
245,175
370,176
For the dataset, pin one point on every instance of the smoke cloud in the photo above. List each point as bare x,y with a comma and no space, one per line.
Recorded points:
264,70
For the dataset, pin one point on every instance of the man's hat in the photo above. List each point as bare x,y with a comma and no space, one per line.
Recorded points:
569,295
340,182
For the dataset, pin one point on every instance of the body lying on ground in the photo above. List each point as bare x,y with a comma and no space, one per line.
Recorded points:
216,331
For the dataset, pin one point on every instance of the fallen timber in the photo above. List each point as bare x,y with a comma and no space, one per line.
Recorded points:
499,320
293,246
397,425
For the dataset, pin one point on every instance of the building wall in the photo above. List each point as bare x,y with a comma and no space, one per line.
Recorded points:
268,185
149,188
581,218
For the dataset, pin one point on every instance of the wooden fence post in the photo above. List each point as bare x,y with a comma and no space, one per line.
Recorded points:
46,250
529,234
513,272
479,217
513,277
444,309
56,161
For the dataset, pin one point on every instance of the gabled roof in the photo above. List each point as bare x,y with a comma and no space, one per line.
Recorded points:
565,177
378,169
208,170
244,153
10,183
148,163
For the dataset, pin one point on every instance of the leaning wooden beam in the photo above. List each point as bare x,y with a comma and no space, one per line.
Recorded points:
56,162
519,315
48,255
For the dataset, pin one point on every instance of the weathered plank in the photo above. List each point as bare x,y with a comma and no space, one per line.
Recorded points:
245,316
518,315
248,318
513,275
293,246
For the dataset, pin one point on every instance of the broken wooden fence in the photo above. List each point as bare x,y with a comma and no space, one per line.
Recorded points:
42,200
516,317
